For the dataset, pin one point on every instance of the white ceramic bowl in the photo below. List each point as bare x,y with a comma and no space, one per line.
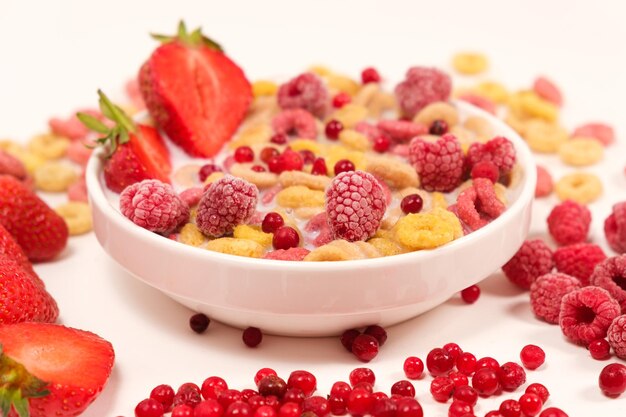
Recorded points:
315,298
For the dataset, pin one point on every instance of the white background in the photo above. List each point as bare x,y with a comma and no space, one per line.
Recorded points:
54,55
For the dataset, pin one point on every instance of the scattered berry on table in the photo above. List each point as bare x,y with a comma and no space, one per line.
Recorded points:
531,261
510,408
530,404
252,336
466,394
199,322
442,387
532,356
164,394
485,382
466,363
612,380
403,388
600,349
149,408
511,376
471,294
546,293
568,223
439,362
615,228
413,367
610,274
578,260
544,182
617,336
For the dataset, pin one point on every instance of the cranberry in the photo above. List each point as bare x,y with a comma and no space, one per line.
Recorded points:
510,408
343,165
207,170
364,385
493,413
453,350
382,143
199,322
485,382
466,394
228,397
379,395
553,412
532,356
466,363
316,404
149,408
438,127
319,167
412,203
530,404
439,362
268,153
359,375
272,385
333,129
273,401
360,402
341,390
285,237
471,294
289,161
212,386
403,388
600,349
612,379
441,388
511,376
304,380
370,75
265,411
487,362
207,408
408,407
290,410
258,168
460,409
413,367
244,154
540,390
247,393
262,373
163,394
257,401
238,409
183,410
347,338
293,395
274,165
271,222
365,347
383,407
307,156
458,378
341,99
378,332
189,394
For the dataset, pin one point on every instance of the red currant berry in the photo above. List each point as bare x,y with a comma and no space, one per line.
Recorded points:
319,167
412,203
199,322
511,376
343,165
268,153
333,129
458,378
341,390
487,362
207,170
379,395
470,294
510,408
274,165
244,154
256,401
364,385
341,99
553,412
262,373
441,388
403,388
290,410
347,338
265,411
258,168
308,157
365,347
438,127
293,395
304,380
272,222
439,362
466,394
358,375
149,408
212,386
238,409
285,237
207,408
182,411
163,394
273,401
485,382
612,379
408,407
370,75
530,404
316,404
378,332
413,367
289,161
360,402
279,139
532,356
493,413
600,349
272,385
382,143
252,336
228,397
466,363
453,350
460,409
189,394
247,393
540,390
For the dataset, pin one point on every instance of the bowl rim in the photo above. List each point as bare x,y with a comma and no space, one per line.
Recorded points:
98,198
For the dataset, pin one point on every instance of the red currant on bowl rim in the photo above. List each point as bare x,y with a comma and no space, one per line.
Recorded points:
252,336
333,129
471,294
365,347
244,154
612,379
370,75
413,367
532,356
412,203
343,165
285,237
272,222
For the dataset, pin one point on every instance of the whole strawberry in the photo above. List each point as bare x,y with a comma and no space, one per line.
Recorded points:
50,370
40,232
439,164
10,248
194,92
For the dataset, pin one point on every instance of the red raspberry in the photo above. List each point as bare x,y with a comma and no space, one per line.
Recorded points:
615,228
532,260
9,165
578,260
610,274
355,205
479,101
192,195
297,122
439,164
291,254
480,196
369,130
485,169
154,205
568,223
226,203
370,75
421,87
546,293
617,336
307,92
289,160
544,182
401,130
498,150
587,313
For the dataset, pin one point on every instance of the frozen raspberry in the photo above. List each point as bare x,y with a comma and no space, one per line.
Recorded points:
610,274
544,182
401,130
10,165
498,150
368,129
546,293
307,92
355,205
479,101
617,336
600,131
578,260
153,205
296,122
421,87
615,228
478,205
439,164
227,202
485,169
291,254
531,261
569,222
587,313
192,195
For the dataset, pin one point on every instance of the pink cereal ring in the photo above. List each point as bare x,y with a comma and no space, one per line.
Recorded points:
71,127
316,223
480,102
79,152
291,254
544,182
547,90
134,94
368,129
270,194
296,122
480,194
402,130
78,191
600,131
401,150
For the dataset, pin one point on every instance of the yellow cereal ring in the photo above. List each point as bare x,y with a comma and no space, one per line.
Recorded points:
191,235
516,123
479,126
341,250
354,140
299,196
260,179
386,247
423,231
31,161
49,146
264,88
470,63
581,151
77,216
439,110
449,218
492,90
252,135
581,187
187,175
314,182
306,144
234,246
339,152
254,233
535,106
340,82
439,200
350,114
54,177
213,177
11,146
545,137
320,70
396,173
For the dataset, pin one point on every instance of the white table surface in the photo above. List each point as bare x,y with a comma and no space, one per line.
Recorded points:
54,55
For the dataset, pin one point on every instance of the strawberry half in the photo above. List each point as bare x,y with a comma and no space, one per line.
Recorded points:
10,248
50,370
136,152
39,231
194,92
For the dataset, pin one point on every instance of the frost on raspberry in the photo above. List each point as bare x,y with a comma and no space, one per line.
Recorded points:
478,205
226,203
615,228
499,151
421,87
296,122
355,205
401,130
578,260
306,91
546,293
568,223
531,261
587,313
439,164
617,336
154,205
610,274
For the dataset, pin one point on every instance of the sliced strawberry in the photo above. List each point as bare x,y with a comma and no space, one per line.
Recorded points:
150,149
55,370
10,248
195,93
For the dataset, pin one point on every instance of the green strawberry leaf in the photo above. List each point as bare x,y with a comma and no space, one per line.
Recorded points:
21,405
93,123
193,39
115,113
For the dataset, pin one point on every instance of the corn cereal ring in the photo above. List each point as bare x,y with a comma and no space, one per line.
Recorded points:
306,213
581,187
581,151
187,175
306,144
366,94
341,250
492,90
54,177
396,173
11,146
191,235
516,123
300,196
49,146
479,126
354,140
439,110
264,88
213,177
423,231
251,135
545,137
438,200
314,182
254,233
260,179
234,246
469,63
535,106
77,216
350,114
339,152
449,217
338,82
386,247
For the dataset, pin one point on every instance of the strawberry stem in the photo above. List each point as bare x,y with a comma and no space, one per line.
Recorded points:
193,39
17,385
